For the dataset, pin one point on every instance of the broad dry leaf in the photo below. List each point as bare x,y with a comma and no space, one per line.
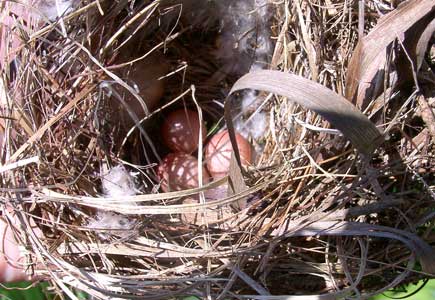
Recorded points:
423,41
413,49
334,108
236,181
425,252
370,55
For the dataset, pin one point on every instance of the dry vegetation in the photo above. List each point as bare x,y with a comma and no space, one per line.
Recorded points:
324,216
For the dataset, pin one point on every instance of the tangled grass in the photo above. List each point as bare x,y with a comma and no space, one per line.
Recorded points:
312,216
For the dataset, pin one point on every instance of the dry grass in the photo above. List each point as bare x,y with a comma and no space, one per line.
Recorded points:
320,219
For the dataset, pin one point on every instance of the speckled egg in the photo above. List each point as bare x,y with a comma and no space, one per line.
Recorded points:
180,130
219,150
179,171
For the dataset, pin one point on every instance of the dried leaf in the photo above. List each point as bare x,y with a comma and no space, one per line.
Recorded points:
413,242
413,49
423,41
236,182
370,55
333,107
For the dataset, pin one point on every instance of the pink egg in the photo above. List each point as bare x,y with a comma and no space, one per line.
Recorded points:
7,271
179,171
12,258
9,45
219,150
180,130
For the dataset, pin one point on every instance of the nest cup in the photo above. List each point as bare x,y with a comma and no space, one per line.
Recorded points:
84,95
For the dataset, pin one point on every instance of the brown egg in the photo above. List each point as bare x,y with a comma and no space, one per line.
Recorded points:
180,130
142,76
179,171
218,153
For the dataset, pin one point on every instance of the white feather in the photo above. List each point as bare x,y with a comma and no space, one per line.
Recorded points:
258,125
109,222
52,9
118,182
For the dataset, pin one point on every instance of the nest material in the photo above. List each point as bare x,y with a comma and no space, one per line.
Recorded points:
319,219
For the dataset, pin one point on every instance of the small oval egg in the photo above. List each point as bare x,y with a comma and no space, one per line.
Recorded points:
179,171
218,153
10,42
180,130
10,256
142,76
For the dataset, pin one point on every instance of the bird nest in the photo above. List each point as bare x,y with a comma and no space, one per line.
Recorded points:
339,201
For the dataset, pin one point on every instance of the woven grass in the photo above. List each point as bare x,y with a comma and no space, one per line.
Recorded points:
321,219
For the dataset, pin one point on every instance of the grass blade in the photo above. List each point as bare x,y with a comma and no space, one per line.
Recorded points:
334,108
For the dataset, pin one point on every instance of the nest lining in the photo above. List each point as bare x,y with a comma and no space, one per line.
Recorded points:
307,193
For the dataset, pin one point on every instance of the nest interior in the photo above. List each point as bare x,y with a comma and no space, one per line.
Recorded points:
316,215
